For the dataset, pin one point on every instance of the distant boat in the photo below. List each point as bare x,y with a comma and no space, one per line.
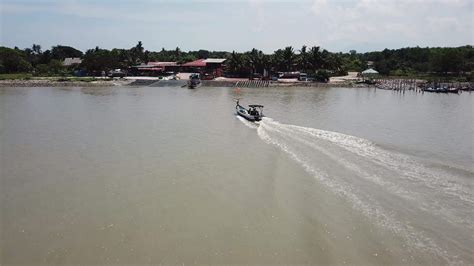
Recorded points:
453,90
466,88
436,90
253,113
194,81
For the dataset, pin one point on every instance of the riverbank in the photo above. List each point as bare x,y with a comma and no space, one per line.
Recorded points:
71,82
27,80
63,82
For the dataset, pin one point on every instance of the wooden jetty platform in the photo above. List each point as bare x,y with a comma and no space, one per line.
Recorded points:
422,86
397,84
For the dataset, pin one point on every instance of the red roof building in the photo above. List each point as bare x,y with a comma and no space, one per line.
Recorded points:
211,67
196,63
155,68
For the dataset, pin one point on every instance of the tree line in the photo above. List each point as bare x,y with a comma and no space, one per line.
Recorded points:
313,60
408,61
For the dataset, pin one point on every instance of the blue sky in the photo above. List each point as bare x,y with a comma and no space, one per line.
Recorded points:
363,25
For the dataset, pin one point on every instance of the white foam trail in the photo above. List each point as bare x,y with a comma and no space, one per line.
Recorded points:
411,169
434,206
399,162
246,122
402,177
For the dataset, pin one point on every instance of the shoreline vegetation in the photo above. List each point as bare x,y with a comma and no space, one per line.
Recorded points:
35,67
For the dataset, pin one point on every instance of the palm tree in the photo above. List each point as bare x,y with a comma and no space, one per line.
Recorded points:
303,59
289,58
327,60
315,59
137,54
277,60
253,60
258,61
36,49
177,54
139,47
239,64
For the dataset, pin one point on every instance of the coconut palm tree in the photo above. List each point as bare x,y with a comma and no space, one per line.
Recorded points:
277,60
177,54
253,60
258,61
315,59
303,59
238,64
289,58
36,48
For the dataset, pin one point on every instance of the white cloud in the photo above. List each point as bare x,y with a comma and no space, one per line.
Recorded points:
104,11
257,9
396,21
239,24
318,6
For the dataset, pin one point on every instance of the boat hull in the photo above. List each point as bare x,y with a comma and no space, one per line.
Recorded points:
192,84
243,113
435,90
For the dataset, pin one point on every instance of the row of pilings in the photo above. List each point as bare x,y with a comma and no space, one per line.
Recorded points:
252,83
403,85
397,84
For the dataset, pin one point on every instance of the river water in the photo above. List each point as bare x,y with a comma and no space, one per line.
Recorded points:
170,175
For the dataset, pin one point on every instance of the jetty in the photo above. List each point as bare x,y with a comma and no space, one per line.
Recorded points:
422,86
397,84
252,83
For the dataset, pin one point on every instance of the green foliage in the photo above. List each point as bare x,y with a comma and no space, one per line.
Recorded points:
137,54
352,62
303,60
256,61
60,52
409,61
13,61
315,59
403,72
98,60
238,64
20,76
282,60
176,55
416,61
321,76
53,68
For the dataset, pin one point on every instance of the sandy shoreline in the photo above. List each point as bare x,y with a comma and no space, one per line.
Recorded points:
344,81
158,83
58,83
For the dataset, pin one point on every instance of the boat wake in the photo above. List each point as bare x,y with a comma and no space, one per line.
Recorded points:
393,190
249,124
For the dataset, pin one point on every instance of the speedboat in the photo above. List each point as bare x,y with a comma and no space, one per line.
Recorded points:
194,81
253,113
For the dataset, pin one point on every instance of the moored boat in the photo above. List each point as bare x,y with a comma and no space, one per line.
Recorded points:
194,81
436,90
453,90
253,113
